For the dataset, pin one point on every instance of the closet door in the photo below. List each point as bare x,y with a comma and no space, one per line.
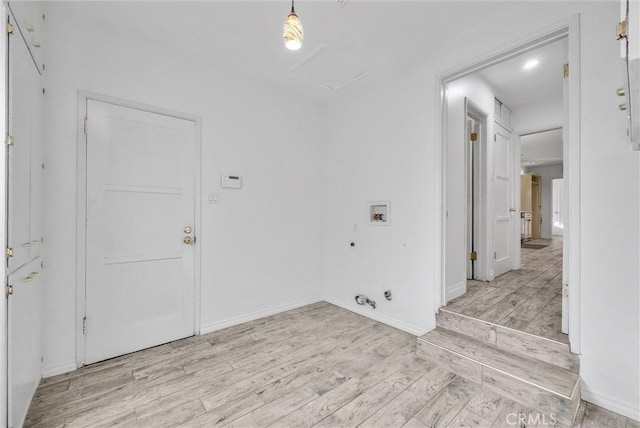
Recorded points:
24,225
26,160
23,77
24,309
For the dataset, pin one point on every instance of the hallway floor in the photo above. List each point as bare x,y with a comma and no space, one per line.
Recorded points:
528,299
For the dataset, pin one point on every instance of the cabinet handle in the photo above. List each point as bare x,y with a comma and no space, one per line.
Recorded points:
30,244
31,277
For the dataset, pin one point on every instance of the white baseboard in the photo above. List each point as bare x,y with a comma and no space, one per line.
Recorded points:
456,291
65,367
208,328
373,314
626,409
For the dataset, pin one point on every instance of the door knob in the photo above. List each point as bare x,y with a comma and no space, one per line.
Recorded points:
188,240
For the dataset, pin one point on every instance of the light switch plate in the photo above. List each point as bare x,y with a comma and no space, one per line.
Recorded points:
213,198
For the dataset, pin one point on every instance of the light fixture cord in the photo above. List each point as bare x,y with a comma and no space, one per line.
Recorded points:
292,9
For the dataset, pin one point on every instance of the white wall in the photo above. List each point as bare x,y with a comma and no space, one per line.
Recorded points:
261,247
382,146
547,173
376,151
610,274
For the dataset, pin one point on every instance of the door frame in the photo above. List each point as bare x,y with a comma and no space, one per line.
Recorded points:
81,203
568,28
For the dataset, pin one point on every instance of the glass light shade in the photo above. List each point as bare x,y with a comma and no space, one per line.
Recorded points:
292,32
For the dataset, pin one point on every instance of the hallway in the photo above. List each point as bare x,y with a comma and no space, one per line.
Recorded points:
528,299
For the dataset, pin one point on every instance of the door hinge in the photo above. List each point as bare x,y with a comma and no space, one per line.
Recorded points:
9,290
10,29
565,290
622,29
9,252
86,125
474,136
473,256
9,140
565,70
495,137
495,255
84,325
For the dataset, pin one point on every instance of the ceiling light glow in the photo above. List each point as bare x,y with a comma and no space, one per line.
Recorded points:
292,32
533,63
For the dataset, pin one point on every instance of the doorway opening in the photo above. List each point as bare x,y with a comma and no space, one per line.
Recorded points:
511,267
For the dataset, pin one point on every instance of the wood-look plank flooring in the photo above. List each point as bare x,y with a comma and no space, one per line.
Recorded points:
528,299
318,365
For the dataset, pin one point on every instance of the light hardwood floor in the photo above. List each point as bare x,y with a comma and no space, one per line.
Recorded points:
319,365
528,299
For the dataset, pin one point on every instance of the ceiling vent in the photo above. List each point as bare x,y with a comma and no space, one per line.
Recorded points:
329,68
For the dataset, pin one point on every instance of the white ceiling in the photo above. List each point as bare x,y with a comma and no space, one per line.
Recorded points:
245,37
515,86
345,41
542,148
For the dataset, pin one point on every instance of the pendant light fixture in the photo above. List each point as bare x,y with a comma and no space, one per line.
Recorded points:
292,32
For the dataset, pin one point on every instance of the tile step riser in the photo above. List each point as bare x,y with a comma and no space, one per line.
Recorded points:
514,388
510,340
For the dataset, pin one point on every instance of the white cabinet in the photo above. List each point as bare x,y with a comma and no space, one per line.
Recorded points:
25,175
24,316
29,23
25,213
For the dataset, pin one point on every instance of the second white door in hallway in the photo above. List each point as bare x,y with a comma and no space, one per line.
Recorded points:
504,209
140,212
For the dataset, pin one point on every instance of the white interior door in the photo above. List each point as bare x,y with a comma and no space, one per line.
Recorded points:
504,207
140,218
24,316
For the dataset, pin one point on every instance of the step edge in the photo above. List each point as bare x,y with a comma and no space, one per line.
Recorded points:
501,349
510,329
559,394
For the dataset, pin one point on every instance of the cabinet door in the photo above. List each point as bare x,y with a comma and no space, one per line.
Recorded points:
24,309
30,19
37,171
23,78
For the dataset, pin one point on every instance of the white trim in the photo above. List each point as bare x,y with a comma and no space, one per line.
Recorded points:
219,325
61,368
569,28
377,316
456,291
81,202
626,409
